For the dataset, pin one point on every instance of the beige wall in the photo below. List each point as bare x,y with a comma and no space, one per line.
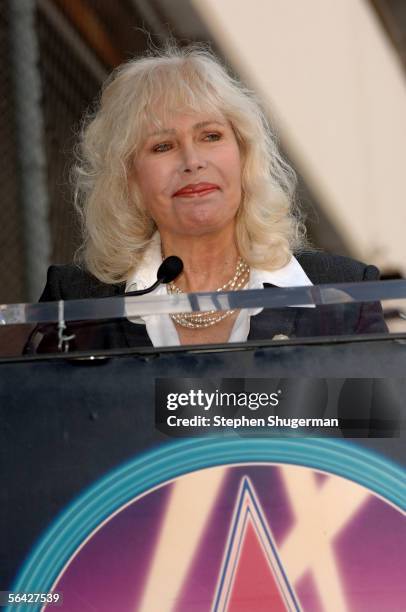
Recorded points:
337,93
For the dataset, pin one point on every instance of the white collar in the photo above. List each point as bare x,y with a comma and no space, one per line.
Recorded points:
290,275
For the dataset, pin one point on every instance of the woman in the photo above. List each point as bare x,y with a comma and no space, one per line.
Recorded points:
180,160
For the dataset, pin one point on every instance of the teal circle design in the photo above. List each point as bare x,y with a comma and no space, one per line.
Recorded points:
155,467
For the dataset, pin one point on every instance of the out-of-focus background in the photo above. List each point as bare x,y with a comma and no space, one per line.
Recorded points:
331,75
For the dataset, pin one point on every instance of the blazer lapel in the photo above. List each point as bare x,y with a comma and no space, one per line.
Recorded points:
134,334
273,322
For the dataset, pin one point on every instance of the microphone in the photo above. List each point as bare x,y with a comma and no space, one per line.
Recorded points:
169,269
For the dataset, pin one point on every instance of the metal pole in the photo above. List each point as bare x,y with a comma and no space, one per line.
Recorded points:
30,144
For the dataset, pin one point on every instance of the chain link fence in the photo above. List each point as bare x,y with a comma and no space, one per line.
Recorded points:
69,88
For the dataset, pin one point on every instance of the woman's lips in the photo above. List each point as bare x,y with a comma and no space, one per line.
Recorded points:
195,191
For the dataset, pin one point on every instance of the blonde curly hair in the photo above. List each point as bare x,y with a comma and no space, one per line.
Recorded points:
115,226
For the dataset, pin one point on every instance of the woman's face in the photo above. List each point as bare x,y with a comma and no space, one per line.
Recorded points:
189,175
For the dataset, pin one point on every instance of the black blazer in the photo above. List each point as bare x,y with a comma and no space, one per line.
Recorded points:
69,282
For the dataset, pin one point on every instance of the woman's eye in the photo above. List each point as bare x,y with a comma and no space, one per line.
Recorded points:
213,136
161,147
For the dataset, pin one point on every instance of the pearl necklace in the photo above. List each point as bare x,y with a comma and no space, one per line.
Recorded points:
199,320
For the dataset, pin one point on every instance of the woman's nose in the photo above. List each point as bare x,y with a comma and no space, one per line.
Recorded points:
192,159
